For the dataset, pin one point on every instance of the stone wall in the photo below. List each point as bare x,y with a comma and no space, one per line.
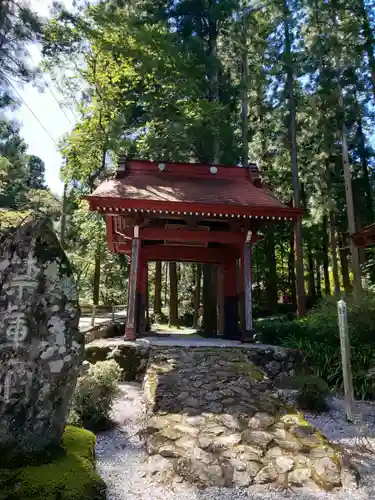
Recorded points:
276,362
213,418
41,348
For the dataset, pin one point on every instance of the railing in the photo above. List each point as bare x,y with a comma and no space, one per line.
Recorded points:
93,311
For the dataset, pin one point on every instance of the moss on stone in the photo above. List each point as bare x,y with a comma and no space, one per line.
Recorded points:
249,369
71,476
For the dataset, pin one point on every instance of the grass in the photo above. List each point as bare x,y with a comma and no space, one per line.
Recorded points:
71,476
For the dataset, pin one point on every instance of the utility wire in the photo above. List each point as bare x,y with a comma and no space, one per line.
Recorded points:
28,107
50,89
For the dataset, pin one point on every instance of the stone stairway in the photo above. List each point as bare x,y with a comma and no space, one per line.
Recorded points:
213,418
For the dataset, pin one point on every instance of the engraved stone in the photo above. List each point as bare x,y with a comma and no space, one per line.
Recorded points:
41,348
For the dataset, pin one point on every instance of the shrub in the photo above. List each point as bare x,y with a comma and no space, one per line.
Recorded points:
70,476
94,395
276,330
312,393
320,341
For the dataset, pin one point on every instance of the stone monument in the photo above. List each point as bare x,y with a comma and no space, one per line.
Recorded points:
41,348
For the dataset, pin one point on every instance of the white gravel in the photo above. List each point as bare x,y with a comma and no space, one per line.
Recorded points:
121,457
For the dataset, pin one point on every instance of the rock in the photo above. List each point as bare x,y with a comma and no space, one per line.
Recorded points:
155,442
187,429
267,475
196,472
261,421
239,465
171,433
283,464
300,477
326,474
168,450
228,441
161,466
195,421
214,429
243,452
241,478
286,441
230,421
41,347
257,438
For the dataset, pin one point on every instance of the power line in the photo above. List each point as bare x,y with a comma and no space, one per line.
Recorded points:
31,111
50,89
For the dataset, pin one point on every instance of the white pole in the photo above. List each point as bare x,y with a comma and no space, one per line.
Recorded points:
345,359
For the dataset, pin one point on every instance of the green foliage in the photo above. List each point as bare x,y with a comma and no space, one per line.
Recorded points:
277,330
312,393
317,336
94,395
70,476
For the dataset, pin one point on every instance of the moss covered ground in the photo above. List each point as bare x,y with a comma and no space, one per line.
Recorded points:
71,476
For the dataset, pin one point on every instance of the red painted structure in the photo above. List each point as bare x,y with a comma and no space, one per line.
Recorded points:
189,213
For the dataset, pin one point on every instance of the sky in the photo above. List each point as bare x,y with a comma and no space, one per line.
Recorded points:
45,107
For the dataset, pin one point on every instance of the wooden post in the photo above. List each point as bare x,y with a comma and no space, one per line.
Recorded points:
93,315
231,331
248,334
345,358
220,301
130,328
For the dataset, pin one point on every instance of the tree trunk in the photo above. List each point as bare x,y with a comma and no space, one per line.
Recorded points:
333,241
318,281
209,270
244,103
369,41
365,171
291,269
300,292
327,284
173,295
311,274
96,282
344,252
63,217
356,268
271,286
197,293
157,296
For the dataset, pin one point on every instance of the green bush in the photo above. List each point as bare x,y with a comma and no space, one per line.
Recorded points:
70,476
94,395
319,339
276,330
312,393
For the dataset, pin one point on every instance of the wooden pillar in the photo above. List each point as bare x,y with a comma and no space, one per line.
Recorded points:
220,301
141,299
248,332
131,319
231,331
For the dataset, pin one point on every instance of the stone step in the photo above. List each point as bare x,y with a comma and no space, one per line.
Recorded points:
214,418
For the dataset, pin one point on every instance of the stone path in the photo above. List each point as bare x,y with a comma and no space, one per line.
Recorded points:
122,460
214,419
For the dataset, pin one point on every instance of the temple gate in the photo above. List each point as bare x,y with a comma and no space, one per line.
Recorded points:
189,213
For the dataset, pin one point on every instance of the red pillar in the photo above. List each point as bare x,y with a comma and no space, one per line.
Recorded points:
133,286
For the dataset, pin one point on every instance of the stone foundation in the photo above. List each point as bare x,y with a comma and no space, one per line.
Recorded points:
213,418
277,362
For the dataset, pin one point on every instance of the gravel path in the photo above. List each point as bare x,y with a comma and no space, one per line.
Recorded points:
121,458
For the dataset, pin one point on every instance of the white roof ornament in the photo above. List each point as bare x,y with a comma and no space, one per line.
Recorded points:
162,167
213,170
